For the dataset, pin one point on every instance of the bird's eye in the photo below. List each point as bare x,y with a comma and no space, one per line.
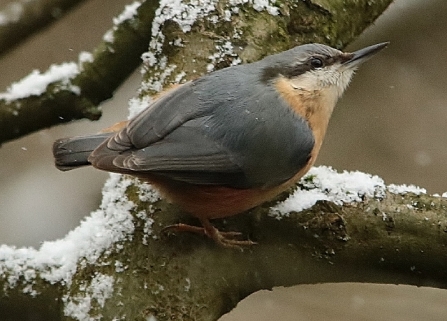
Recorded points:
316,62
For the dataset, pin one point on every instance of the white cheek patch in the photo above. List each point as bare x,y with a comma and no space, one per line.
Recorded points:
335,78
344,80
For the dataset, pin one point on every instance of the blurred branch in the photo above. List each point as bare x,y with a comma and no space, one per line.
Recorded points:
113,61
21,18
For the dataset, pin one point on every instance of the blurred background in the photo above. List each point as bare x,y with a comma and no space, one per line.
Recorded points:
391,122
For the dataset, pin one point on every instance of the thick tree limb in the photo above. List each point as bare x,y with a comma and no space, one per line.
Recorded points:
391,238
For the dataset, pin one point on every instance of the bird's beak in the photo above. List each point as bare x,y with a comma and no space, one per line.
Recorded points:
360,56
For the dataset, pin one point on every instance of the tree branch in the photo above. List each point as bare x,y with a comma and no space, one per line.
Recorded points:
145,272
112,62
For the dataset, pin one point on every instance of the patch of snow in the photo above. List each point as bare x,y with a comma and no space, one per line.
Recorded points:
179,77
85,56
324,183
130,11
258,5
137,105
148,222
119,267
223,51
108,36
57,261
156,82
98,291
405,189
101,288
36,83
146,193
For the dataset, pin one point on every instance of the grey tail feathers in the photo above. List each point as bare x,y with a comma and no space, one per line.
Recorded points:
71,153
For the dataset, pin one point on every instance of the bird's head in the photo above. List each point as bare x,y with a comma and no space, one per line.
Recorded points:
317,69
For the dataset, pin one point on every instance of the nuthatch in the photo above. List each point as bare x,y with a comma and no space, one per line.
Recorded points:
230,140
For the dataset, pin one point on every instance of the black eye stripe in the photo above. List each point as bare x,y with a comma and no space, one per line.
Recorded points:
291,70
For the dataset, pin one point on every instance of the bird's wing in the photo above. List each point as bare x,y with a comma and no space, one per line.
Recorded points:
214,131
183,155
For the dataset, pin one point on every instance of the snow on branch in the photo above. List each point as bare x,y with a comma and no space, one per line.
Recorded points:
323,183
100,236
71,91
36,83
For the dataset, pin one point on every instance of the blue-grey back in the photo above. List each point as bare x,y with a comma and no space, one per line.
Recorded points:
226,128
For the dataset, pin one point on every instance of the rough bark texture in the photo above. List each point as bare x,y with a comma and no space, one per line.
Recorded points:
187,277
397,239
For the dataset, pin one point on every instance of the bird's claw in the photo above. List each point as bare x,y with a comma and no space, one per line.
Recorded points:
225,239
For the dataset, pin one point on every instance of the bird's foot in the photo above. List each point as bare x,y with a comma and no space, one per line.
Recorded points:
225,239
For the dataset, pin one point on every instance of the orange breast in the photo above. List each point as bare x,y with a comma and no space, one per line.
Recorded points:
219,201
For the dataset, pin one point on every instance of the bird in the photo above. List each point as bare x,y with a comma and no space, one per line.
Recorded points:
228,141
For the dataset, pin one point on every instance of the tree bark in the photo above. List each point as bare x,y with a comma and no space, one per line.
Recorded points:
391,239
